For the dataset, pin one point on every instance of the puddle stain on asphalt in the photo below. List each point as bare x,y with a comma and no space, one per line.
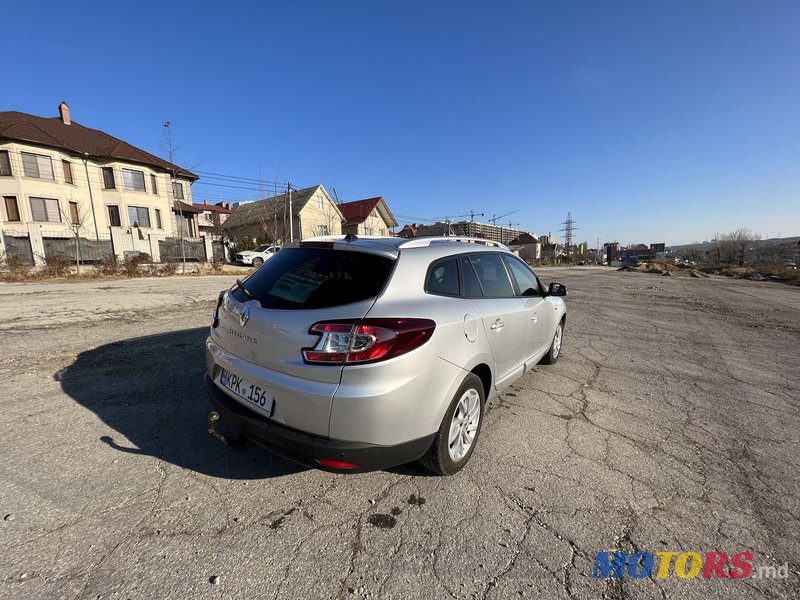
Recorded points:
382,521
415,500
279,521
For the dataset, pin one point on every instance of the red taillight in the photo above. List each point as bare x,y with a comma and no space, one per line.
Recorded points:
337,464
326,245
215,314
368,340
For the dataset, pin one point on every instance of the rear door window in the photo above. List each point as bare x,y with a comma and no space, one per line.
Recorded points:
472,288
492,274
307,278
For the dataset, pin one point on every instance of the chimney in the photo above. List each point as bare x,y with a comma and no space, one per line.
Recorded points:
63,111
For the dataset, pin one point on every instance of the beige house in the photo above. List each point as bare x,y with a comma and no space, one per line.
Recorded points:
526,246
59,178
306,213
367,217
210,217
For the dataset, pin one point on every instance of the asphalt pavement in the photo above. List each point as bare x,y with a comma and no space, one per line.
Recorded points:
671,423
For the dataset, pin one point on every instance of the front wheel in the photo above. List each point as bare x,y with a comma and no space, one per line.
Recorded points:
455,441
257,262
555,348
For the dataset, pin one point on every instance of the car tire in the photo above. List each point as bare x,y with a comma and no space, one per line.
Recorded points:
555,347
257,262
460,427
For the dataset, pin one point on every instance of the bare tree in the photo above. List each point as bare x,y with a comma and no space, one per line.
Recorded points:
693,252
76,221
732,247
739,241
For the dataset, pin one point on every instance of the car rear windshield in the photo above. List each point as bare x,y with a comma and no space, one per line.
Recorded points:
306,278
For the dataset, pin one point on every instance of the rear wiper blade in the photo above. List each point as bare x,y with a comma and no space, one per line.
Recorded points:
247,293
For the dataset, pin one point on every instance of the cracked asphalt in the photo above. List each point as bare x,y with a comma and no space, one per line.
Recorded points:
670,423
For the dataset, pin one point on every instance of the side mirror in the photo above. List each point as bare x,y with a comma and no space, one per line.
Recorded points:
557,289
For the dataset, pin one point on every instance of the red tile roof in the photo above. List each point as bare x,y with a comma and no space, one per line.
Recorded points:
215,208
76,138
358,210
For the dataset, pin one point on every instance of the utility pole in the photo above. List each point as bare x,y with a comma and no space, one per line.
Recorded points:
171,150
91,198
569,229
291,221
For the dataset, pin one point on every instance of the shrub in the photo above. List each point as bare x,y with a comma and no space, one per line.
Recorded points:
14,268
57,265
133,265
168,267
216,264
110,265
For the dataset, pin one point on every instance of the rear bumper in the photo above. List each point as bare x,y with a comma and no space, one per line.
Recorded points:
305,448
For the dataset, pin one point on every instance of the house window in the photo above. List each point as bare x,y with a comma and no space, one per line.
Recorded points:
67,166
12,208
73,213
108,178
320,202
322,230
37,165
45,209
158,219
177,190
5,164
133,180
138,216
113,216
154,183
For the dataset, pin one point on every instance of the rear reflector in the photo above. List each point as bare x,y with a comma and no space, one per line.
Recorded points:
337,464
365,341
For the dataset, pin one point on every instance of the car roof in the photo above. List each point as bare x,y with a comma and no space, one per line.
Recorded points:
392,246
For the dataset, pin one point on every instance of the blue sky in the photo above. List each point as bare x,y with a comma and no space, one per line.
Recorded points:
648,121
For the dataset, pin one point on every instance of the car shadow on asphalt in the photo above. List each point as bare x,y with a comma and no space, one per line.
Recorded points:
150,392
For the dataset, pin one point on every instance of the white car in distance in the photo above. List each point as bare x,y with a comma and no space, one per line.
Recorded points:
258,256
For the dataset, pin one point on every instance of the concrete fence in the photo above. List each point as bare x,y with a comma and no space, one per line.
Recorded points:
35,245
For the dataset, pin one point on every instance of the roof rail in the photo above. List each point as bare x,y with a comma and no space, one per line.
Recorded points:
423,242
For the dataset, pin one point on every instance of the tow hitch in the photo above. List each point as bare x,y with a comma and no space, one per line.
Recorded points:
237,442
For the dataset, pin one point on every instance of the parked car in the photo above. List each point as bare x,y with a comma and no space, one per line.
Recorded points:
258,256
352,354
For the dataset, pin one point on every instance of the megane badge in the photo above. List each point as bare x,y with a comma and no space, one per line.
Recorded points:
244,317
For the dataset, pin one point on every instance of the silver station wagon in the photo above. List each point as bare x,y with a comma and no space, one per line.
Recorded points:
351,354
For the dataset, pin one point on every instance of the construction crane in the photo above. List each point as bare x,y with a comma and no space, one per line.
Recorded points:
472,214
495,219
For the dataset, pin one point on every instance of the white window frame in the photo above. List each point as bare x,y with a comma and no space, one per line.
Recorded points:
138,213
180,187
42,160
103,171
48,211
129,181
7,162
322,229
108,215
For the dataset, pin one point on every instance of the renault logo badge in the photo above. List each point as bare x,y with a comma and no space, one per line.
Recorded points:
244,317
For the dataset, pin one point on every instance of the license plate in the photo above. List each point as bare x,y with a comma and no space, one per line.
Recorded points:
252,394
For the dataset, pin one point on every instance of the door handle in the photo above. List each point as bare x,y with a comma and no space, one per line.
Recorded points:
497,325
